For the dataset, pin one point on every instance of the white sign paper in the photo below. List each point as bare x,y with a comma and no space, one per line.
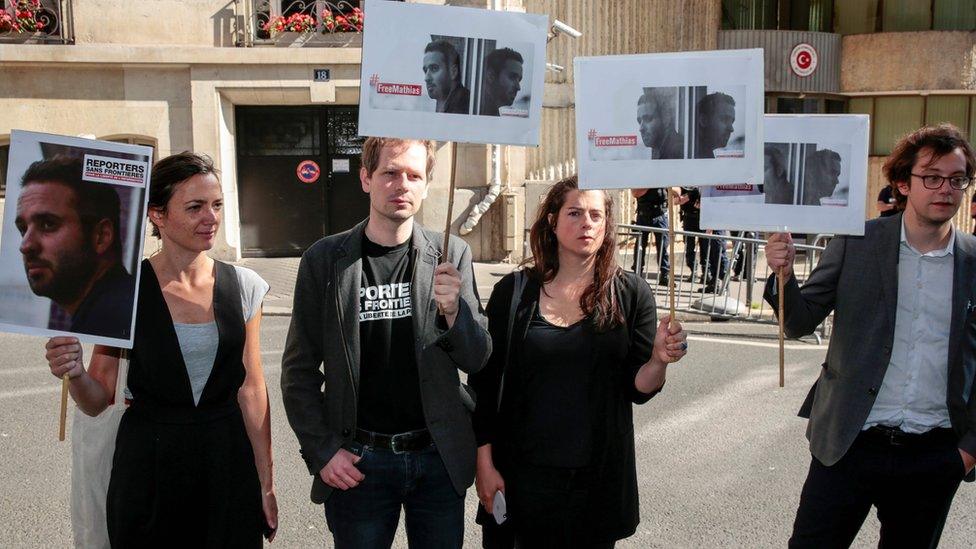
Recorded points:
669,119
815,179
452,74
72,237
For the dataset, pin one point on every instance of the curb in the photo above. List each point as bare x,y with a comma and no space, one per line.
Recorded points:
273,310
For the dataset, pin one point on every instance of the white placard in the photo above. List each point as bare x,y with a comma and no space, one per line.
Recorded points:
452,74
669,119
815,179
72,237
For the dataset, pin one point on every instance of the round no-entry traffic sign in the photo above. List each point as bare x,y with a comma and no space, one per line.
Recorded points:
308,171
803,59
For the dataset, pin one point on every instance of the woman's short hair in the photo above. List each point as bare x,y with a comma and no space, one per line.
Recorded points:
169,172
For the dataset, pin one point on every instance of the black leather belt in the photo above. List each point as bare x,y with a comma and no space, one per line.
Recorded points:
893,436
411,441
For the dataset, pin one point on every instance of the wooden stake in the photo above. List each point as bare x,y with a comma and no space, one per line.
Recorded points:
64,407
782,349
450,203
450,207
671,253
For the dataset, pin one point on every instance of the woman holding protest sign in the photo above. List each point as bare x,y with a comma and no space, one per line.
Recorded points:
576,343
192,461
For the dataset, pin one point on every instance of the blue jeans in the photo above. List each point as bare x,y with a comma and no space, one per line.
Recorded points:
660,242
367,516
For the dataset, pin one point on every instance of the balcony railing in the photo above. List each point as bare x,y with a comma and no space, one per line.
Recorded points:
298,23
36,22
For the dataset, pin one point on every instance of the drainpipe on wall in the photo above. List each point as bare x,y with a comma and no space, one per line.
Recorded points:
495,187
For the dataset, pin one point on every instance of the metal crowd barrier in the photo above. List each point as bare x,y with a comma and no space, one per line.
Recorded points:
723,279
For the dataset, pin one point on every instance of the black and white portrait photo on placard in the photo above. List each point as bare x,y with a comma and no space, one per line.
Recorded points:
806,174
72,235
456,74
684,122
814,179
651,120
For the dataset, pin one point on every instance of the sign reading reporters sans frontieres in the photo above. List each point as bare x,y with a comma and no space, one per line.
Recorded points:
118,171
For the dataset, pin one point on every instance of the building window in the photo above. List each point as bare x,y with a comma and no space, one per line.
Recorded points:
4,154
267,10
954,15
135,140
906,15
866,16
804,15
805,104
894,116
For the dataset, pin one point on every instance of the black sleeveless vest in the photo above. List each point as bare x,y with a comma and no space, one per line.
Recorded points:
158,380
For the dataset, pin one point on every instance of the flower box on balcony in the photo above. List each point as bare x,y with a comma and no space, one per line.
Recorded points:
23,37
318,40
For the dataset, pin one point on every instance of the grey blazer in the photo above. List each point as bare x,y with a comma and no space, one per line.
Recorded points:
857,278
320,365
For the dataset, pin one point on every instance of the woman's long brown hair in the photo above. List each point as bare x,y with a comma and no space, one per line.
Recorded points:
599,300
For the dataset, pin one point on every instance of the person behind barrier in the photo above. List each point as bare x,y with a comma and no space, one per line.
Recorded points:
554,415
652,211
887,205
193,461
892,417
385,318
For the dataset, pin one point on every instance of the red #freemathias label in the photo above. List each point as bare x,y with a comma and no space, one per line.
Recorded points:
398,89
615,141
737,187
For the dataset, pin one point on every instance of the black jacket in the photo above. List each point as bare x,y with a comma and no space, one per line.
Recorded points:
320,365
619,354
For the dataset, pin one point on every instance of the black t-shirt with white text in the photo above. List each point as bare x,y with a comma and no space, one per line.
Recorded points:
389,384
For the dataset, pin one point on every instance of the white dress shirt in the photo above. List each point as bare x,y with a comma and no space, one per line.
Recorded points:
913,393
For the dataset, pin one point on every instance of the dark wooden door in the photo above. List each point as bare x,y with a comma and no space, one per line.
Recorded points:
291,193
346,203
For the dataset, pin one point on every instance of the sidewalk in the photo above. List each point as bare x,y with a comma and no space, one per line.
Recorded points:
281,272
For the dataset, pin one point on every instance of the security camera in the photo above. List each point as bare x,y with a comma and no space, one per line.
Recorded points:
560,27
555,68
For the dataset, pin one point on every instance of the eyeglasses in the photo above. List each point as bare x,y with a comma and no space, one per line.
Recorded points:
932,182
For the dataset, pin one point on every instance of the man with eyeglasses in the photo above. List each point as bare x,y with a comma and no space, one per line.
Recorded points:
893,413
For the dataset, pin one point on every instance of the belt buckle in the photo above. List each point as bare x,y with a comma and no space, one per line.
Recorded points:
894,438
393,443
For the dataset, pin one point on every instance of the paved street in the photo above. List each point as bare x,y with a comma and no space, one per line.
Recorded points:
720,454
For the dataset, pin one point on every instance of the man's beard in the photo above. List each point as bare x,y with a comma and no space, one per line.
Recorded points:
70,275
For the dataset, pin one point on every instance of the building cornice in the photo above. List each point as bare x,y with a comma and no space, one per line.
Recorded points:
173,56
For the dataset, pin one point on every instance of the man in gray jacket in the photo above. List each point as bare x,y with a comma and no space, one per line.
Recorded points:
382,321
893,413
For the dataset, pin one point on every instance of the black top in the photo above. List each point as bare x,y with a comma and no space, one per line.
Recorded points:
184,473
389,385
107,309
887,197
615,358
554,395
691,210
652,203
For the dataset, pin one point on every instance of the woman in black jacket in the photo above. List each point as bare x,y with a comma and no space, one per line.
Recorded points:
554,418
